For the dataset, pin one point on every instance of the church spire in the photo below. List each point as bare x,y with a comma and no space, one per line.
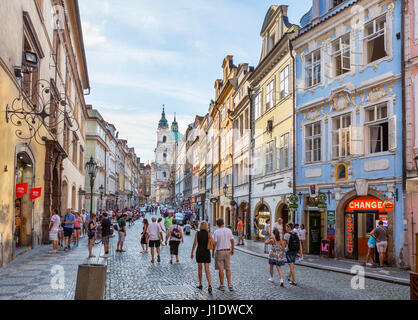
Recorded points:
163,124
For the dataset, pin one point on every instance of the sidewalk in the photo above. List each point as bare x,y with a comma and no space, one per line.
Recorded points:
393,275
35,274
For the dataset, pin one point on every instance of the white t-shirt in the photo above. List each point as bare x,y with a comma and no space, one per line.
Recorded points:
223,238
55,219
154,230
302,234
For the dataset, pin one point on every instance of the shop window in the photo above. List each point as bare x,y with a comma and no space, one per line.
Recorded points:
313,68
313,142
341,136
341,55
341,172
375,40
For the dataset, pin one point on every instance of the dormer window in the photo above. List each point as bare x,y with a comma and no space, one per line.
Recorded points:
272,41
337,2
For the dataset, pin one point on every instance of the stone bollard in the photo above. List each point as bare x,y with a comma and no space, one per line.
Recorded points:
91,282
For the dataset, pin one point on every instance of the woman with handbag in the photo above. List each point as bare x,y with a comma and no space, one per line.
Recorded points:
204,242
144,237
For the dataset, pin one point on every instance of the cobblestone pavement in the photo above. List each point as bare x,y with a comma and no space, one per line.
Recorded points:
133,277
33,276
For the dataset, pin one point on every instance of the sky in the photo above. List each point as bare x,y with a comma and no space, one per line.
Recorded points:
148,53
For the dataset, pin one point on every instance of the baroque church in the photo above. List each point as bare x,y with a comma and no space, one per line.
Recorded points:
166,142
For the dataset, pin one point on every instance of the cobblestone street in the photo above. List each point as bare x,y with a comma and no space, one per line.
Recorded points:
131,276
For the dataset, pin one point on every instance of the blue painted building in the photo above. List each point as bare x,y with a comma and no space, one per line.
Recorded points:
349,125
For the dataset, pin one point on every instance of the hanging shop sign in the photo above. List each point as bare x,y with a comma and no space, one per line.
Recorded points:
21,189
313,190
349,236
389,206
367,203
293,199
293,206
35,193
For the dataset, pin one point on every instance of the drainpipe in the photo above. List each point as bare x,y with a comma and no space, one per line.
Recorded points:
294,119
250,150
404,198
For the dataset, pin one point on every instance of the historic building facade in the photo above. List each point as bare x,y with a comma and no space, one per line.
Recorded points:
43,71
349,116
271,84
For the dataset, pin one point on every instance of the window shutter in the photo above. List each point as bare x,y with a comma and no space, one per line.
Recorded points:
386,38
392,134
357,140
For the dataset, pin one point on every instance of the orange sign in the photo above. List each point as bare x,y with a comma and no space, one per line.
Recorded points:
366,203
389,206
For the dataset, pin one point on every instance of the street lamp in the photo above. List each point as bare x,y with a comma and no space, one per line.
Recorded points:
225,190
101,189
117,198
91,168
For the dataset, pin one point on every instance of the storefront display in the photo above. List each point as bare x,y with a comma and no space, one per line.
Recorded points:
263,214
362,215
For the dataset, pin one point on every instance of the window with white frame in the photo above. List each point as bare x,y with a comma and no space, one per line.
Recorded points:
313,142
284,83
258,105
341,60
377,128
284,152
375,41
341,136
313,68
269,154
270,95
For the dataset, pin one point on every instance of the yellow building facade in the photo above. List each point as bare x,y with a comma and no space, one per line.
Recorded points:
272,91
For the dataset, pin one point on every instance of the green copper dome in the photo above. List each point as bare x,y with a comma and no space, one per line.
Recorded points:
163,124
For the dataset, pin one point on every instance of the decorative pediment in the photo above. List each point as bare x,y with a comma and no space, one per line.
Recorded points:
313,114
341,101
376,94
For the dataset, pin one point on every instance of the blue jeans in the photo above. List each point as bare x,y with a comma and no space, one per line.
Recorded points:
291,257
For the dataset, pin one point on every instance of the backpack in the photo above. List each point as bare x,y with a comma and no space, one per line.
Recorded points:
176,233
294,244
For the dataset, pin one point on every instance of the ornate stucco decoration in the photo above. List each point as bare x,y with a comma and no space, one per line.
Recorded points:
390,89
391,7
353,100
313,114
340,102
376,94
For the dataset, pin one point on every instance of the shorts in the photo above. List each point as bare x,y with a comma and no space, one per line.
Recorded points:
240,234
121,236
371,245
53,235
382,246
105,239
279,263
154,243
77,228
291,257
68,232
91,235
223,260
174,247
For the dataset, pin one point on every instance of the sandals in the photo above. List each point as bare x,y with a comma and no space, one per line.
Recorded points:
199,287
210,289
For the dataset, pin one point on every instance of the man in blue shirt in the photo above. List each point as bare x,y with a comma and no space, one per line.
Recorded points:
68,228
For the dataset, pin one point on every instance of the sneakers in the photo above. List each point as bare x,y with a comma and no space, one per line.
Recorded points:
230,287
53,252
221,287
105,256
281,283
368,264
271,280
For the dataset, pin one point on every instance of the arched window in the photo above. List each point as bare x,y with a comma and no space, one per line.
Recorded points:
341,172
164,139
164,174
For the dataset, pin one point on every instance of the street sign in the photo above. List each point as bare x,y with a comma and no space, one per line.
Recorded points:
322,205
293,199
331,217
293,206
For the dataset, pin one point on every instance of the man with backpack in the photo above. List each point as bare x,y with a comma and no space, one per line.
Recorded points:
293,247
121,226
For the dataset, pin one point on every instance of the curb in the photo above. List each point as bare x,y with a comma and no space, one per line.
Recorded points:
368,275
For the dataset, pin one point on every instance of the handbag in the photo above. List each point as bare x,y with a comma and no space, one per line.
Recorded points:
210,244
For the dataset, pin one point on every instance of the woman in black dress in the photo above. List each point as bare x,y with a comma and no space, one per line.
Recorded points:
201,240
144,236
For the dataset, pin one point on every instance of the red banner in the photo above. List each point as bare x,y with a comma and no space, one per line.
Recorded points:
21,189
35,193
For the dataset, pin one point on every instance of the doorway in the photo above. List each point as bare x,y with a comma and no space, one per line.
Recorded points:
315,232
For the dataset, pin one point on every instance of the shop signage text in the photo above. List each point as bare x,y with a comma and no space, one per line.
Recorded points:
349,236
35,193
367,204
21,189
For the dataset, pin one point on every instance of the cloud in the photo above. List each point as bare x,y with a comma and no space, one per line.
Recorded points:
92,34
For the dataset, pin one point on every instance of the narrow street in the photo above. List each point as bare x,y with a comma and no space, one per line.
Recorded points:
131,276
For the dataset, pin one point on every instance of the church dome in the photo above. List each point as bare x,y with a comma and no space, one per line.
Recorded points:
163,124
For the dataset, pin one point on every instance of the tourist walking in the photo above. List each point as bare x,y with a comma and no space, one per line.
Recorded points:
155,238
144,236
78,221
256,227
380,233
279,226
204,242
175,235
240,229
105,226
293,247
54,226
224,246
121,232
91,232
68,228
61,232
302,237
276,255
